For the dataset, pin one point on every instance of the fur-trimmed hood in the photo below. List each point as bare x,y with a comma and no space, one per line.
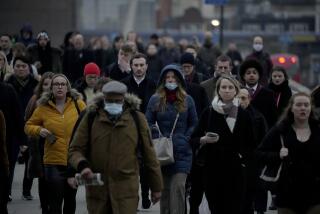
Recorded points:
46,96
131,101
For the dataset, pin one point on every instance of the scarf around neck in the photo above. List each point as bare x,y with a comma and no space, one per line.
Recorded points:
230,110
171,95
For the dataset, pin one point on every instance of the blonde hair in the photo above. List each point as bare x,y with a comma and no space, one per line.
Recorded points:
6,68
230,79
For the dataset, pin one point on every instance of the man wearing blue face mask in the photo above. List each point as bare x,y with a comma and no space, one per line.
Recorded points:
111,148
262,57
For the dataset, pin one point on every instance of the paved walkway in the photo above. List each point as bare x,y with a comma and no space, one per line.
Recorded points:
19,206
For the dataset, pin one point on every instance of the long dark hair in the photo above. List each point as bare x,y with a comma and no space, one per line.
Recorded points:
280,69
180,103
287,118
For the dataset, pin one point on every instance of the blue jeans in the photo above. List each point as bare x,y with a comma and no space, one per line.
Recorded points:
59,190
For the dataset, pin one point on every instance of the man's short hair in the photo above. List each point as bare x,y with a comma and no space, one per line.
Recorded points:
127,48
154,36
137,56
23,58
224,58
7,35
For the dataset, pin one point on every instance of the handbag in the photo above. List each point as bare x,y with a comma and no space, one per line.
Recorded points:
163,146
272,173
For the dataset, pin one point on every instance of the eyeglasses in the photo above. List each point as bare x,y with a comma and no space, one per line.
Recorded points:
57,84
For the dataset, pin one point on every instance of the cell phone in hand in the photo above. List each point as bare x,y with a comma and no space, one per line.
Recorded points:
51,138
212,134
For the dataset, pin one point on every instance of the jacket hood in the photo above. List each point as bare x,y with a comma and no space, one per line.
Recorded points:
177,71
26,28
131,101
46,96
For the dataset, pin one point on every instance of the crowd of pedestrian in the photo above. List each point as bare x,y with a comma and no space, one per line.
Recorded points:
96,107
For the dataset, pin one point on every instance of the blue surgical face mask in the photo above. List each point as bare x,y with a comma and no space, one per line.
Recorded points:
171,85
113,108
258,47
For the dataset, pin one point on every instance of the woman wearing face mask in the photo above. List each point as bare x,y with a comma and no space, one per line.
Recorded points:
54,119
168,103
263,57
298,188
225,138
279,84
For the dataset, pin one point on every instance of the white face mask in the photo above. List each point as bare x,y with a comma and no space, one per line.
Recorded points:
171,85
113,108
257,47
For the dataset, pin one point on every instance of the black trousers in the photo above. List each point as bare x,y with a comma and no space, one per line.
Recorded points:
27,182
4,191
13,151
225,192
144,183
197,188
59,191
43,195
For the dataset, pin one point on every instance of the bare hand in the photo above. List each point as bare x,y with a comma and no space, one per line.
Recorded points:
44,132
38,64
86,173
284,152
23,148
205,139
123,65
155,197
73,183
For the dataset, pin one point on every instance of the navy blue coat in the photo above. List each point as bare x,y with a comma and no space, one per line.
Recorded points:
181,136
165,119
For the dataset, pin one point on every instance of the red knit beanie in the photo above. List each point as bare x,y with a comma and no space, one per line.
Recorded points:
91,68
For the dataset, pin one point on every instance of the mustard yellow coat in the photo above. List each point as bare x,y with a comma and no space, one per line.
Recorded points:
60,124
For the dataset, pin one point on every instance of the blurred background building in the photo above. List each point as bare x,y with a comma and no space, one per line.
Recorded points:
288,26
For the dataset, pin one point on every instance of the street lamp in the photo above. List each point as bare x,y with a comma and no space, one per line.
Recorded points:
215,22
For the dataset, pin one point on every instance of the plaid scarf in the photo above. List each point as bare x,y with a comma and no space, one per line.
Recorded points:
230,110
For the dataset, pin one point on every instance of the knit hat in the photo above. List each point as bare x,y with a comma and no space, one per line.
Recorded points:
43,34
250,63
91,68
114,87
187,58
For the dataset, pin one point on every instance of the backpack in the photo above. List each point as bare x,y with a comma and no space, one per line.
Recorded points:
91,117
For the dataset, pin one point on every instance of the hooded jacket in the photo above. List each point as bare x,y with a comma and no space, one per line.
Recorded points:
112,151
26,28
165,119
61,125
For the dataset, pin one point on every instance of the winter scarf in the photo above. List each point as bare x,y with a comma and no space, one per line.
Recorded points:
171,96
230,110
